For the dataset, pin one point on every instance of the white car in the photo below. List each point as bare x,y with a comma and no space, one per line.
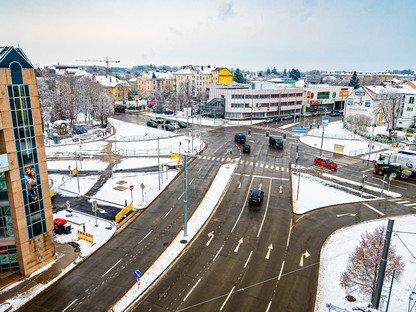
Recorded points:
307,115
175,125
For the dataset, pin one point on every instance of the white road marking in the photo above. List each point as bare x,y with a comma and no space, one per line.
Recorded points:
191,290
265,210
265,177
267,166
261,165
268,307
290,231
167,213
257,164
239,243
226,299
374,209
410,205
222,159
111,268
271,167
181,196
191,181
281,270
268,251
199,169
211,236
218,253
145,237
283,169
69,305
251,164
242,208
403,202
248,259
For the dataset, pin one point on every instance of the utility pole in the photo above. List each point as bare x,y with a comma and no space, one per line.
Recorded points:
185,199
382,266
158,162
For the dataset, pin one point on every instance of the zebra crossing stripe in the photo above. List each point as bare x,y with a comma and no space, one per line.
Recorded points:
261,165
267,166
251,164
277,168
222,159
394,199
209,158
247,163
283,169
410,205
204,157
403,202
257,164
271,167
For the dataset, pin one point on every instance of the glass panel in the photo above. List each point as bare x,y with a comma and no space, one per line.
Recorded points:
14,119
28,103
29,113
34,207
27,157
22,118
29,231
19,159
24,132
37,229
11,103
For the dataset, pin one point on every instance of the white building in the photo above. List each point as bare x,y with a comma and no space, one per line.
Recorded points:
322,97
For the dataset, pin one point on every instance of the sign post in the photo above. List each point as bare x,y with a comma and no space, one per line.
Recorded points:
325,121
94,208
137,275
142,186
68,206
131,190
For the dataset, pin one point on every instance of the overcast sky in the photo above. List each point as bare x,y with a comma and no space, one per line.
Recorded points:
361,35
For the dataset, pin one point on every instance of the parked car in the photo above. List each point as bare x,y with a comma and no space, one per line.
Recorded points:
157,119
240,138
275,142
151,124
168,128
182,124
268,120
287,117
174,125
278,118
335,114
246,148
168,121
168,112
326,162
307,114
256,197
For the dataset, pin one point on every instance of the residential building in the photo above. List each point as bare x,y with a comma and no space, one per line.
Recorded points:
133,86
120,89
383,76
26,222
154,81
256,101
192,79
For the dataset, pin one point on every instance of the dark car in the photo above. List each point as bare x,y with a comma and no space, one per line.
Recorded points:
181,124
275,142
168,112
256,197
278,118
334,114
326,162
268,120
168,122
168,128
287,117
246,148
151,124
240,138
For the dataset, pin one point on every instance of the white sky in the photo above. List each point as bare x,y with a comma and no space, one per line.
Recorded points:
251,35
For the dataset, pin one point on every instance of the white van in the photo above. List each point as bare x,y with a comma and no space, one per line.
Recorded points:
157,119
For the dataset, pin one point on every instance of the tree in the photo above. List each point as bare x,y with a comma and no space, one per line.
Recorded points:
260,74
361,273
354,82
238,76
284,73
104,106
274,71
388,104
294,74
268,72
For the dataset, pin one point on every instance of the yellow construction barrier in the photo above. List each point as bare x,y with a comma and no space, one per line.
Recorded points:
85,236
123,212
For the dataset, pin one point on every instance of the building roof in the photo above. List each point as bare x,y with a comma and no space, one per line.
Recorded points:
157,75
110,81
190,69
10,54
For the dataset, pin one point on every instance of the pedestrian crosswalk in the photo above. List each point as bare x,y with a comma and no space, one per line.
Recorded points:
403,202
247,163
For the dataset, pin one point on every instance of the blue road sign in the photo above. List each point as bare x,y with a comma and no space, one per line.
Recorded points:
298,132
137,274
325,120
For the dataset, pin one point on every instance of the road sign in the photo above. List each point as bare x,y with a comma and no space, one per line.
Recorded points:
131,188
298,132
142,186
325,120
68,205
94,205
314,120
137,274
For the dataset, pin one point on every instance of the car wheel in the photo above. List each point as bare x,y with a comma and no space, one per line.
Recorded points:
380,172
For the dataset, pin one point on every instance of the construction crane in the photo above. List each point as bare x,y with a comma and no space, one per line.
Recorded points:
106,60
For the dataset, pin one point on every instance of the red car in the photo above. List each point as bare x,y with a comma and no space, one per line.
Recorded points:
326,162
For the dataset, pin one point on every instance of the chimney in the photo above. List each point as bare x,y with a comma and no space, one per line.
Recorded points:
209,66
202,67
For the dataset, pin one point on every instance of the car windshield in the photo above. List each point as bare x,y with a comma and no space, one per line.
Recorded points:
329,161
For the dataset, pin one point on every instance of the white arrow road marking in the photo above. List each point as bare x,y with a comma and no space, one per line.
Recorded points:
239,184
211,236
347,214
280,188
238,246
268,251
191,290
111,268
305,254
260,186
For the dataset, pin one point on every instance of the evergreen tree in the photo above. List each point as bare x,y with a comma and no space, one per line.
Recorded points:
274,71
354,82
284,73
294,74
268,71
238,76
321,81
260,74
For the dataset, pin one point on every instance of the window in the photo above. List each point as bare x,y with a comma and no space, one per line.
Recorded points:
323,95
410,109
411,100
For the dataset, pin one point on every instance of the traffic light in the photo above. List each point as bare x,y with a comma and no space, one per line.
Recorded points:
284,136
249,132
267,134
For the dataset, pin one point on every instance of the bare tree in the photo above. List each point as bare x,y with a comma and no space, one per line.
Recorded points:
103,106
62,100
361,273
359,121
389,104
202,95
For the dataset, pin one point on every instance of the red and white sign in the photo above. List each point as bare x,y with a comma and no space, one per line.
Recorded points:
68,205
131,187
313,102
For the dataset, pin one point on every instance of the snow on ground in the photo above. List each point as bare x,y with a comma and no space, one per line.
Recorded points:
339,246
197,220
68,186
85,164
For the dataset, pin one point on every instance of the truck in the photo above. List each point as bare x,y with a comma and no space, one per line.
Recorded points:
397,165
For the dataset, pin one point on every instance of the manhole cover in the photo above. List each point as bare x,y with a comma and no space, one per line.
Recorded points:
184,241
121,182
120,188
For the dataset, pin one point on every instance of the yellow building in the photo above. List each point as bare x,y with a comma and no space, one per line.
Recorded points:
154,81
222,76
120,89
